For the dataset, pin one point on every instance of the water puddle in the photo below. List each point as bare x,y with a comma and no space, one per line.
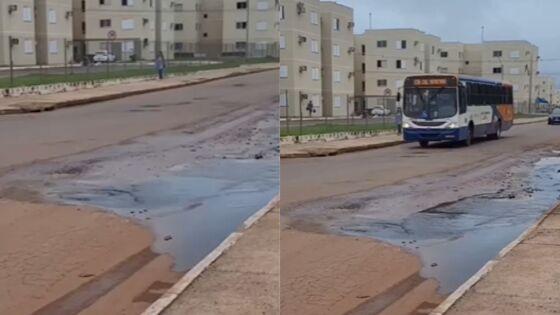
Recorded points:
190,209
455,240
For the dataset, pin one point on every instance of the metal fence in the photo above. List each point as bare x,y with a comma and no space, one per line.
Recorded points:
102,59
369,114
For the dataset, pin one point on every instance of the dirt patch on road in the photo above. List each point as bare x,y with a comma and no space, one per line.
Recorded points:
47,251
329,274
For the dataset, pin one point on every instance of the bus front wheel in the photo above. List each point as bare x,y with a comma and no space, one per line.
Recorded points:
424,144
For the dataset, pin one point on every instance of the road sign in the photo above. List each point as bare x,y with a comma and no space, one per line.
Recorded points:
387,92
112,35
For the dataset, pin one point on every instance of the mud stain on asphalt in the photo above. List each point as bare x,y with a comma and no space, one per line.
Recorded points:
454,239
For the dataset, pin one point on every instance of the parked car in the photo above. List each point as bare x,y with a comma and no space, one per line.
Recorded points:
104,56
554,117
379,111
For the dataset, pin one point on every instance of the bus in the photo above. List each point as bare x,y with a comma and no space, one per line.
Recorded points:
454,108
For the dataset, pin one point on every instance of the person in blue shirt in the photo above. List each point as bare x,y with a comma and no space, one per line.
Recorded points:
398,120
160,65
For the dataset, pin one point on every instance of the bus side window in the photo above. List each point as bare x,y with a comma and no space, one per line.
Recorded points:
462,100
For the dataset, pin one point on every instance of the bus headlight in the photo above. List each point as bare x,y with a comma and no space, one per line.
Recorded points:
453,126
406,125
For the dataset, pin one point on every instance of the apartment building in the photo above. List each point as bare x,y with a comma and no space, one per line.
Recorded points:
515,61
337,51
140,27
385,57
449,58
227,26
300,58
53,31
17,22
546,87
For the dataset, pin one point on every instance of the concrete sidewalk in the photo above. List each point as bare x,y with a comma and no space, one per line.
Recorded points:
330,148
243,280
336,147
38,103
525,280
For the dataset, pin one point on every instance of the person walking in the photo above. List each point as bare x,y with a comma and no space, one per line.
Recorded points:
398,121
160,65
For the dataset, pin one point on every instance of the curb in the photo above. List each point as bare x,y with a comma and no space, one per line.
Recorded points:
465,287
531,122
103,98
333,152
173,293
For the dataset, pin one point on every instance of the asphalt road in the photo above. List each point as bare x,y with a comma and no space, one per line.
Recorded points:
312,178
29,137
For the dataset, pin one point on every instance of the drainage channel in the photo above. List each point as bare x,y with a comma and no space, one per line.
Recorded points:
455,240
191,210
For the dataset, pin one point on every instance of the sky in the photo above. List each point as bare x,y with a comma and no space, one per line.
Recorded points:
537,21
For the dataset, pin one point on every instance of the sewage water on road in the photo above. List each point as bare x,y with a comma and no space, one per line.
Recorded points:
455,240
190,210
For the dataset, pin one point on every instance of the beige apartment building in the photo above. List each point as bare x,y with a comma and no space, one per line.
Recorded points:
17,21
53,31
337,45
515,61
546,88
142,28
385,57
300,58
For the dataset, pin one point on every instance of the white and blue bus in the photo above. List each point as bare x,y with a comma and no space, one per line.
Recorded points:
454,108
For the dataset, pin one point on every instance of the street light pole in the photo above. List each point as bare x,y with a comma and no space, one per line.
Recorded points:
531,83
11,54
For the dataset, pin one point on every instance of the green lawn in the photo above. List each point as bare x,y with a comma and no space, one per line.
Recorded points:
328,128
147,70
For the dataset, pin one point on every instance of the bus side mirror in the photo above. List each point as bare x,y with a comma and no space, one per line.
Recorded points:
398,96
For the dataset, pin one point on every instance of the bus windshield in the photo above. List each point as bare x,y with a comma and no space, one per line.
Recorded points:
430,103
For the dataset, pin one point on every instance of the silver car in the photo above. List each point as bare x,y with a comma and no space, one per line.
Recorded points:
554,117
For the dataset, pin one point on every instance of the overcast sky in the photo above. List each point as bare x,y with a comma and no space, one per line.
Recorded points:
537,21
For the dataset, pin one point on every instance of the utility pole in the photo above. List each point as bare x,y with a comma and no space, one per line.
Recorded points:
370,20
248,29
158,22
12,42
531,83
482,34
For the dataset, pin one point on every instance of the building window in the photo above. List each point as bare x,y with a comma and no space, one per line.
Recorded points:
514,54
283,71
337,101
102,2
127,24
104,23
127,3
401,64
363,50
178,26
242,5
53,47
282,42
381,63
283,99
381,83
262,5
240,45
315,74
262,26
363,67
28,47
314,46
497,53
363,86
336,76
381,43
497,70
282,12
27,14
241,25
336,50
205,35
52,16
401,44
314,16
444,54
336,24
179,46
